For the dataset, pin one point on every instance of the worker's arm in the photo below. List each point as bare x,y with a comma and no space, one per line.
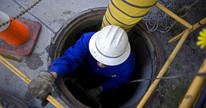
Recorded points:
54,74
41,87
100,89
73,57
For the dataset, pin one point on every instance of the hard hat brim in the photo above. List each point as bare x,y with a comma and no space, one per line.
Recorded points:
111,61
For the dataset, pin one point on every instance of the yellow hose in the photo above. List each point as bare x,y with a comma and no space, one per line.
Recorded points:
126,13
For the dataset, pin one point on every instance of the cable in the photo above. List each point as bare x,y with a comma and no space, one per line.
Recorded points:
169,77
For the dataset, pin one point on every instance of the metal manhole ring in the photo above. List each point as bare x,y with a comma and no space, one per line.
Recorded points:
9,101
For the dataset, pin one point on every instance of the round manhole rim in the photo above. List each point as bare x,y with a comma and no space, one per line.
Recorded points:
55,46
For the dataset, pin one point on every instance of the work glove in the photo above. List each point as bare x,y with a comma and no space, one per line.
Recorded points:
93,94
41,87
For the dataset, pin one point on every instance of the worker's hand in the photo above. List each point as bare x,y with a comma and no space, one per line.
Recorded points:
93,94
41,87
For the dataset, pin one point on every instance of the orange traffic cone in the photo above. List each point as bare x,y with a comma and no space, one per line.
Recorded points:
15,33
19,36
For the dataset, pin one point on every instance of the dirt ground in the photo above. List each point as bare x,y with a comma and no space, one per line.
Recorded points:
170,93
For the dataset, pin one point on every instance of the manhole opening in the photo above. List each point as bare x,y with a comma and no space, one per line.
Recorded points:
148,59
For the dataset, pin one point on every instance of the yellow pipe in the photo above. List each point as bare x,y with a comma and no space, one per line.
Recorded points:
15,70
196,100
1,106
27,80
194,27
194,89
10,57
163,70
173,15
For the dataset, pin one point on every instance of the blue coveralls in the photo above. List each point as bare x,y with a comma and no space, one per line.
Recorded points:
79,54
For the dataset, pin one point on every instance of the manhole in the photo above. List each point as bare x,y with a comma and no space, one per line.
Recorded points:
148,53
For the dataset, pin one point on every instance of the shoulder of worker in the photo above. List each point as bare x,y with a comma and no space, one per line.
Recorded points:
87,36
129,62
130,59
84,40
127,67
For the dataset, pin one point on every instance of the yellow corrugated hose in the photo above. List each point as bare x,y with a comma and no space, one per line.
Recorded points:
126,13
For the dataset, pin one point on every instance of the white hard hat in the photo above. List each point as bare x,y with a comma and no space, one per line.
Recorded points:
110,45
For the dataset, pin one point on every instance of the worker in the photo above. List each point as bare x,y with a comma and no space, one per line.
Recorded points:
106,54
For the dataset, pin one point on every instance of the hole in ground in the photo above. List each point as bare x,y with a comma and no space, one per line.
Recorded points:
145,46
